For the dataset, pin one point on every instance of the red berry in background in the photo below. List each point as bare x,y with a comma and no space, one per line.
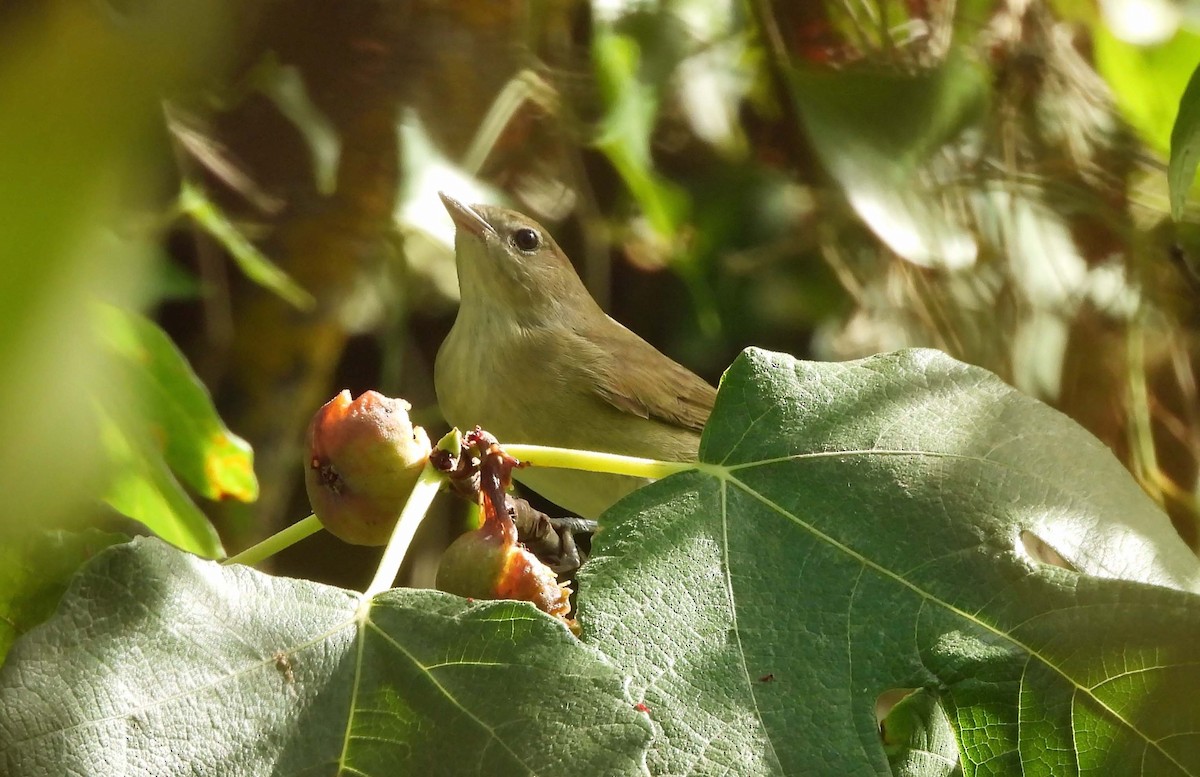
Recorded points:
364,456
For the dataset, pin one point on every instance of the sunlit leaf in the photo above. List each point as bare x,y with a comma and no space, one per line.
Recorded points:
856,528
178,410
142,487
159,663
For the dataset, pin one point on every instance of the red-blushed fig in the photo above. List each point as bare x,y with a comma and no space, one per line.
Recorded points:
364,456
489,562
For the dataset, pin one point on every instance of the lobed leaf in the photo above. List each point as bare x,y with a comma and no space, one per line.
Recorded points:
862,527
161,663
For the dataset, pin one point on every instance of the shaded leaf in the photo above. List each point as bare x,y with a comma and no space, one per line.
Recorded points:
160,663
34,571
857,528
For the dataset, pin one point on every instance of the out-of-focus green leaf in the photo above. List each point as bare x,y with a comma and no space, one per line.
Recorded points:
162,424
252,262
1147,81
142,487
160,663
177,409
875,132
1185,146
81,86
630,115
34,572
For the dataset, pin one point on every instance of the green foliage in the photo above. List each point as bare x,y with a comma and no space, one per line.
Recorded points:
1185,145
165,425
289,680
858,528
34,572
249,259
852,529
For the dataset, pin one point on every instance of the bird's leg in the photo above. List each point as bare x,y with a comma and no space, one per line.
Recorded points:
551,539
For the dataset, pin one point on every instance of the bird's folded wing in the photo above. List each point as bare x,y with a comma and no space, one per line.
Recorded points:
634,377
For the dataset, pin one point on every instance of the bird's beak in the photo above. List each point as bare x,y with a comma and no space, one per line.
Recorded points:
465,217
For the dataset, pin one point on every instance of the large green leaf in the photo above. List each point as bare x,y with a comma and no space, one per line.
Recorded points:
893,538
862,527
160,663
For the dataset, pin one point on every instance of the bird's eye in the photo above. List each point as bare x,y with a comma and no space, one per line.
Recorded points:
526,239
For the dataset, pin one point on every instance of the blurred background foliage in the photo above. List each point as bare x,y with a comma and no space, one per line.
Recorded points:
238,201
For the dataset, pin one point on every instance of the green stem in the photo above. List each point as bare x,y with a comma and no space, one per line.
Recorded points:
406,526
277,542
594,461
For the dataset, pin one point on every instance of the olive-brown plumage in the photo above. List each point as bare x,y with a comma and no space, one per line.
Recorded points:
533,359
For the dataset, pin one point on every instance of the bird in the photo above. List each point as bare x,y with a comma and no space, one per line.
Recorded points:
532,358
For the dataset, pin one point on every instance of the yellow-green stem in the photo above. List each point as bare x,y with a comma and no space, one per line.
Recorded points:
277,542
593,461
406,526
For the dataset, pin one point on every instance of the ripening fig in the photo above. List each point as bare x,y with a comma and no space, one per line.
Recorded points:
488,563
364,456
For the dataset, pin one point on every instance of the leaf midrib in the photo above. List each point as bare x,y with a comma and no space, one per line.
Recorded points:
724,474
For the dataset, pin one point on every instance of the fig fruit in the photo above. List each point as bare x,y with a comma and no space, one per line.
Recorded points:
489,562
363,458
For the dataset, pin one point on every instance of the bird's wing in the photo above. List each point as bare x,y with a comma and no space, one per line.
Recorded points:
635,377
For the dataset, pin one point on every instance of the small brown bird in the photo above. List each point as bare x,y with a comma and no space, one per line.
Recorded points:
533,359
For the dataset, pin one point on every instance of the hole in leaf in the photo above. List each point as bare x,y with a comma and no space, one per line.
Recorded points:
916,733
886,701
1039,550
